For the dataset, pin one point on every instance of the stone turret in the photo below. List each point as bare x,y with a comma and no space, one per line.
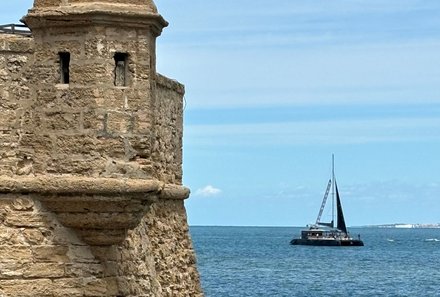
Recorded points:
97,61
91,156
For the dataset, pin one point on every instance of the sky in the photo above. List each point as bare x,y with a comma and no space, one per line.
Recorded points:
274,88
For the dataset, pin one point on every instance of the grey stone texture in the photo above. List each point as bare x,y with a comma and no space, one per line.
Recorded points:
91,195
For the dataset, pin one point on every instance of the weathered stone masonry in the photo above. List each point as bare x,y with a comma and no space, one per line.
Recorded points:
91,195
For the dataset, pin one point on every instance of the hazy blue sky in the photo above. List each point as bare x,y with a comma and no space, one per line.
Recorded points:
273,88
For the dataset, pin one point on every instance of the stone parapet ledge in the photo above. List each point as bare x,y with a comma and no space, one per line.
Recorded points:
91,185
16,43
100,210
169,83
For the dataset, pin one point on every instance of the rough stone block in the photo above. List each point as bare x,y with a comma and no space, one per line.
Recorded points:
44,270
99,220
51,253
7,119
23,204
76,98
34,237
26,219
84,270
142,123
139,99
46,3
27,288
119,122
75,164
97,46
68,287
81,254
15,63
94,120
110,147
37,142
61,121
82,144
11,270
99,74
46,97
95,287
16,253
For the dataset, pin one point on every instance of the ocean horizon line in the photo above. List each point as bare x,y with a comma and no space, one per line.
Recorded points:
387,225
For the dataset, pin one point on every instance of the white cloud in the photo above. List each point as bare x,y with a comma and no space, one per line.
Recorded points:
208,191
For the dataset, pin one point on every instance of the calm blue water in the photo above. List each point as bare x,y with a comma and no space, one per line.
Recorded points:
259,261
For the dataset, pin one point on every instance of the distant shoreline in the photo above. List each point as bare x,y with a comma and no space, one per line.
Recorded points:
404,226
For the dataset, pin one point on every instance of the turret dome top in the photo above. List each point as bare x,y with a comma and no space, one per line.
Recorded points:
55,13
147,5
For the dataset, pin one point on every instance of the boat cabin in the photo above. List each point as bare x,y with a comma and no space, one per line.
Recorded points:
312,233
319,233
315,232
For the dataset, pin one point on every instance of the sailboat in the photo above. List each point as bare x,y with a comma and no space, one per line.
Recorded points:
324,233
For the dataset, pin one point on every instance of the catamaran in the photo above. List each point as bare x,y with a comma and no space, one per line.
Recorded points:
326,234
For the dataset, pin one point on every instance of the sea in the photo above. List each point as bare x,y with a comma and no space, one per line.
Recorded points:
259,261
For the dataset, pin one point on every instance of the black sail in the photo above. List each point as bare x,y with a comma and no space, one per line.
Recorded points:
341,221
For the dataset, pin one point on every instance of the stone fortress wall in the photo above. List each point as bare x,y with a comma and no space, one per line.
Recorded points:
91,195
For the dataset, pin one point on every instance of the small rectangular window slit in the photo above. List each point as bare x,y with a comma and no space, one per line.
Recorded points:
121,69
64,67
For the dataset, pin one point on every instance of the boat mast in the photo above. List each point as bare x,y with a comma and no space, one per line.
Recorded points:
333,187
